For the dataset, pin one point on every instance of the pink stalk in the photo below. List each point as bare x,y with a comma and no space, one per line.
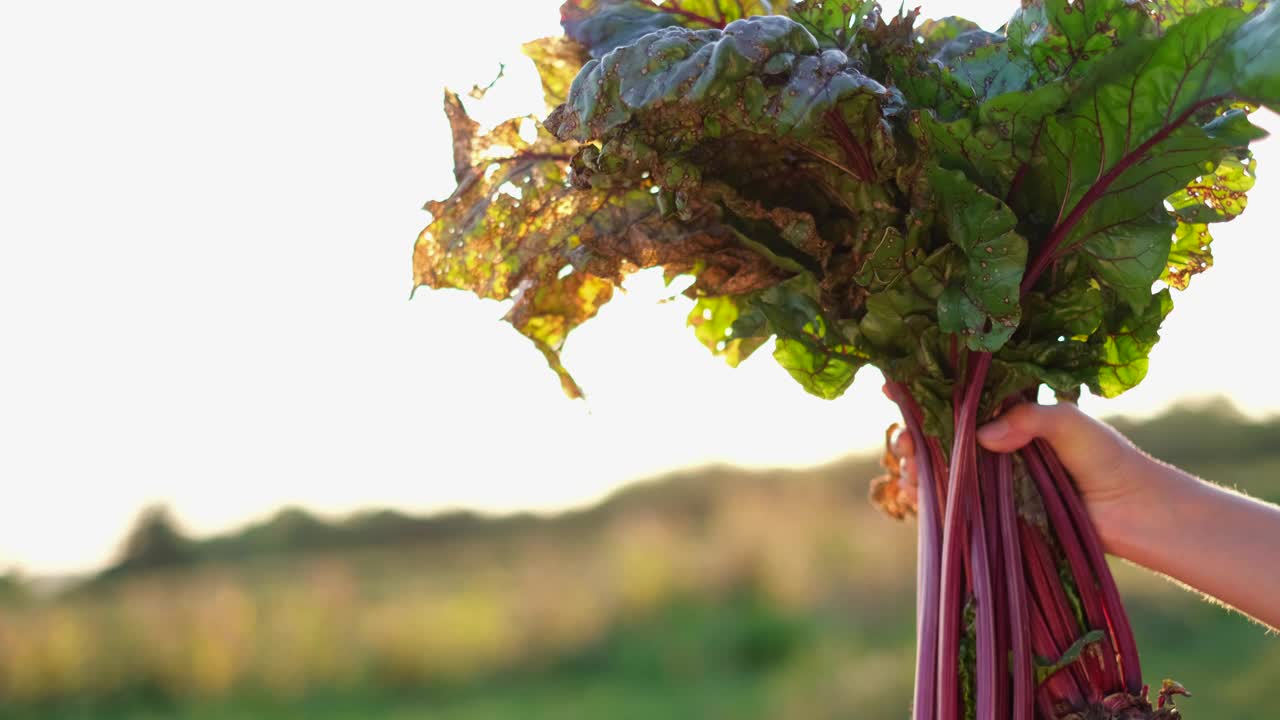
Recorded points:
962,477
1015,588
984,597
1130,666
1062,686
928,561
1046,591
1103,663
999,569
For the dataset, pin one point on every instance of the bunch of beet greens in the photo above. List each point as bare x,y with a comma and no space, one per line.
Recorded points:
976,214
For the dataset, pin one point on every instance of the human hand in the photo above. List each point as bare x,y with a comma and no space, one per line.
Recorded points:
1111,474
1146,511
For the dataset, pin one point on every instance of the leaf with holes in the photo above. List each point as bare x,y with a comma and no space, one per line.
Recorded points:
558,61
981,303
515,226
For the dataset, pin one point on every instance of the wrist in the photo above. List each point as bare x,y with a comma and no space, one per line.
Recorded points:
1156,497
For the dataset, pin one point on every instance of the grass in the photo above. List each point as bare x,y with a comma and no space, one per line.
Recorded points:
721,594
708,661
738,659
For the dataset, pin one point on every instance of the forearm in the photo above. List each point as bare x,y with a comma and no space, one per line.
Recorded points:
1217,541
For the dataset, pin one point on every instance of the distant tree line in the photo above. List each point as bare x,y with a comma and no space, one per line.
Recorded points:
1188,435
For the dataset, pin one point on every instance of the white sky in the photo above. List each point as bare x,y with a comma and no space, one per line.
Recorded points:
205,270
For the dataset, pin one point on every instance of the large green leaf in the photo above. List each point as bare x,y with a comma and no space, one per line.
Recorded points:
764,74
981,304
1254,55
604,25
980,59
895,315
835,23
1069,39
1170,12
900,55
1070,310
1059,343
1129,143
1017,82
809,345
729,327
996,143
888,261
1126,342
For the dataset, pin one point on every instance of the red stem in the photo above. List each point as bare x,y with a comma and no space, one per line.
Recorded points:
1046,591
854,152
985,681
996,561
940,478
928,561
1103,663
1016,183
1130,666
1061,687
1015,587
961,478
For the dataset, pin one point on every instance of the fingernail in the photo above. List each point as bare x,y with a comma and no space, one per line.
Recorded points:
995,430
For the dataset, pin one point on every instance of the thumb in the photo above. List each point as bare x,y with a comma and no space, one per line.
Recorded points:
1092,451
1065,426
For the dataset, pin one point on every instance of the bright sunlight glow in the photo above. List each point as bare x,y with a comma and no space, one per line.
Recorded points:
209,218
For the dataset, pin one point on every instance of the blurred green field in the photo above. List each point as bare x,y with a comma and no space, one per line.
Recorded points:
711,594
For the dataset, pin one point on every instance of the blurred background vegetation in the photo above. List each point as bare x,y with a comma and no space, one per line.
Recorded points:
716,593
